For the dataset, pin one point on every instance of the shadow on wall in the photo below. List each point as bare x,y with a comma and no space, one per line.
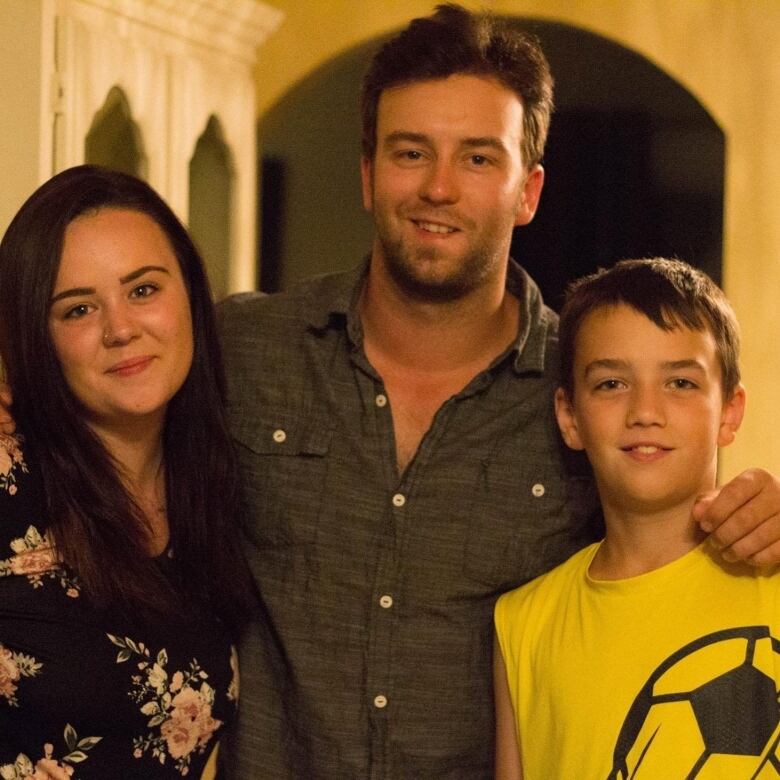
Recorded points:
634,168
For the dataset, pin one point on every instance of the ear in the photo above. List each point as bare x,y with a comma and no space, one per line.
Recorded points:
567,422
367,180
731,417
529,197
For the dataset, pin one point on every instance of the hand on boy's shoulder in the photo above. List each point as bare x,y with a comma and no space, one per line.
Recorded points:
7,424
743,517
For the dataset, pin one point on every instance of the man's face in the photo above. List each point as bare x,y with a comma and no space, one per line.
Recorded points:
448,184
648,408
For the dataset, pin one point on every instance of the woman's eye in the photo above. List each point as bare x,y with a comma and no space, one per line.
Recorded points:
74,312
144,290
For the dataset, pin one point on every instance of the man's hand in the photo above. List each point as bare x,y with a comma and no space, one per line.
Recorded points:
743,517
47,769
7,424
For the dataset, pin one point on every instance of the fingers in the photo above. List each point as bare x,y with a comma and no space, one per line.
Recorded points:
744,518
47,769
701,507
6,421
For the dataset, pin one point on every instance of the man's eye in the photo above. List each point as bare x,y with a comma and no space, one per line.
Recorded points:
683,384
479,160
608,384
411,154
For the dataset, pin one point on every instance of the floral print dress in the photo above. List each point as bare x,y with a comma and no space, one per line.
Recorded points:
99,698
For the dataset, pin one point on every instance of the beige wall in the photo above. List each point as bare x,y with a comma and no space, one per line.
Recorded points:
22,131
725,52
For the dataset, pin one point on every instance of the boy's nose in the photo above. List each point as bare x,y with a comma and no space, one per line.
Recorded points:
645,408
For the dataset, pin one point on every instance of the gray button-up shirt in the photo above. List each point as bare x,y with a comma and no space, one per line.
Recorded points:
373,655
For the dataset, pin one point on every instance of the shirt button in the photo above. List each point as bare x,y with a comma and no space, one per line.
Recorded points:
399,499
386,602
381,400
279,436
380,702
538,490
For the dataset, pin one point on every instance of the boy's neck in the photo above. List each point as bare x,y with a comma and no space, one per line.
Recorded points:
638,542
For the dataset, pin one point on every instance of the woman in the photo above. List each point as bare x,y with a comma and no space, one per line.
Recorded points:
122,587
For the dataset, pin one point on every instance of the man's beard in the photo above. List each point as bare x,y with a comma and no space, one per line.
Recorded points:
406,268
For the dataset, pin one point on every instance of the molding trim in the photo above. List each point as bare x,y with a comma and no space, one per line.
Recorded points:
231,27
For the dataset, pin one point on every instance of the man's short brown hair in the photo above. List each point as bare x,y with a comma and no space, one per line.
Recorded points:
455,41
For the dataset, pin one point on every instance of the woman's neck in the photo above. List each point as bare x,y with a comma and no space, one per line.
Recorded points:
138,455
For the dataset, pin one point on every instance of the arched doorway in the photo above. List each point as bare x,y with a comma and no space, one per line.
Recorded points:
211,204
634,168
114,140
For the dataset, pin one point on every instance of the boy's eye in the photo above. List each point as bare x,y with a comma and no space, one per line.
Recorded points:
683,384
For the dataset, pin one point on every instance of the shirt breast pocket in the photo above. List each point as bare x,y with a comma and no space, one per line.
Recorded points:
524,522
283,467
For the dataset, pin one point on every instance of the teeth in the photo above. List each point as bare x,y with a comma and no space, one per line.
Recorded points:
646,449
434,228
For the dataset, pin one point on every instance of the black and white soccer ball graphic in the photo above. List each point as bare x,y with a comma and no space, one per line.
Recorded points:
687,722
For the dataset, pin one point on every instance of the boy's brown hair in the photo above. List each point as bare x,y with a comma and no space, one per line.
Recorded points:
670,293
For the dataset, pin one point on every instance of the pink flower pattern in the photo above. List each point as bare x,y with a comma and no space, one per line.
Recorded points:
47,767
178,705
14,666
33,556
11,461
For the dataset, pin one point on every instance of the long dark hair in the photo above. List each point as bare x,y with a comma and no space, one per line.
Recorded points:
97,528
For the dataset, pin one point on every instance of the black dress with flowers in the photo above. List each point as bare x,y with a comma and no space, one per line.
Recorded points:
102,699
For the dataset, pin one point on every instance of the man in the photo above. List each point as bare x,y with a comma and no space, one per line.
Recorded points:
395,427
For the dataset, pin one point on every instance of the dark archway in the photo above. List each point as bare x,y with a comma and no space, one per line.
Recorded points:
114,139
210,203
634,165
634,168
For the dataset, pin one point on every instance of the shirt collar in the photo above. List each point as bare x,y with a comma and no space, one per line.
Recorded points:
536,320
337,300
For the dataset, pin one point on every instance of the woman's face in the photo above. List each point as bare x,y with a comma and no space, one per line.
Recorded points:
120,318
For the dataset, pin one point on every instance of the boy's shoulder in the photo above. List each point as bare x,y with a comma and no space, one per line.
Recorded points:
545,588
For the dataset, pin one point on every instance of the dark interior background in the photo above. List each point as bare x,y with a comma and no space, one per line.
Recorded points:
634,168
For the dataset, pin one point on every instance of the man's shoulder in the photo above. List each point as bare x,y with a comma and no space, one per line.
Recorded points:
543,589
254,313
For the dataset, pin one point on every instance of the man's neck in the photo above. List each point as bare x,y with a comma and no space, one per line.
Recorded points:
428,352
436,336
639,542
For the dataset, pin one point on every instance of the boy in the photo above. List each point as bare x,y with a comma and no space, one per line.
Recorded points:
643,656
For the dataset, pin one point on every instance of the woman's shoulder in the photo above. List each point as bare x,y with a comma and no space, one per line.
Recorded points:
20,488
25,546
13,463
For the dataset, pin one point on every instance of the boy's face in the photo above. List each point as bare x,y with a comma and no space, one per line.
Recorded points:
648,408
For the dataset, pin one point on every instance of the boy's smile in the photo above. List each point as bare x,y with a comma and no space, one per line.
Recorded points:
648,408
